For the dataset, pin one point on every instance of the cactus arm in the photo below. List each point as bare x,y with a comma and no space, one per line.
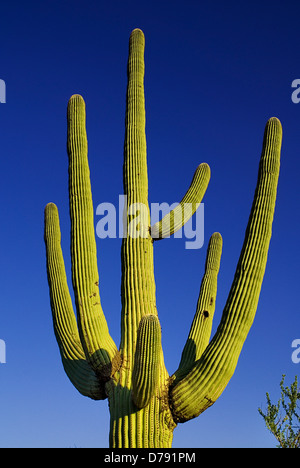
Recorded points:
100,350
212,372
65,327
138,285
174,220
147,359
200,331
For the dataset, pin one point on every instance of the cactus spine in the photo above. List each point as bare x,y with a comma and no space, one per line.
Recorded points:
145,402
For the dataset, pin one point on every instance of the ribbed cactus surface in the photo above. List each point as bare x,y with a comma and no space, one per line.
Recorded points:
145,402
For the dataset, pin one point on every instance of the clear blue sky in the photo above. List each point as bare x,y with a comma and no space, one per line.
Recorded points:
215,72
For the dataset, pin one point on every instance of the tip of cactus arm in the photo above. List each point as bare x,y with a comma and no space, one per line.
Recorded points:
217,236
203,169
51,221
276,122
50,207
137,35
76,98
137,31
273,133
50,215
274,119
76,106
204,166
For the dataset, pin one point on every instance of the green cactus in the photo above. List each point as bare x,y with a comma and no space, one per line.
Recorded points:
145,403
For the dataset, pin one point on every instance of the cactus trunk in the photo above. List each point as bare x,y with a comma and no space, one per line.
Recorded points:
145,403
130,426
148,427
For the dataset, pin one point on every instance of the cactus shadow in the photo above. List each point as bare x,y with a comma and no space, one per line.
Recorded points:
122,396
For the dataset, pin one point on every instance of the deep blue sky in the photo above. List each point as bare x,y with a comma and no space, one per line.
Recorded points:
215,72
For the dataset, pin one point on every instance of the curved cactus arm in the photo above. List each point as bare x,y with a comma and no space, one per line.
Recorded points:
212,372
200,331
175,219
65,327
100,350
145,376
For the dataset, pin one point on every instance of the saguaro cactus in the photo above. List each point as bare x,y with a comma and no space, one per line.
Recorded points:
145,402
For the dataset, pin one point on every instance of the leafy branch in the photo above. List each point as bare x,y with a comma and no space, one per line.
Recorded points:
283,419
